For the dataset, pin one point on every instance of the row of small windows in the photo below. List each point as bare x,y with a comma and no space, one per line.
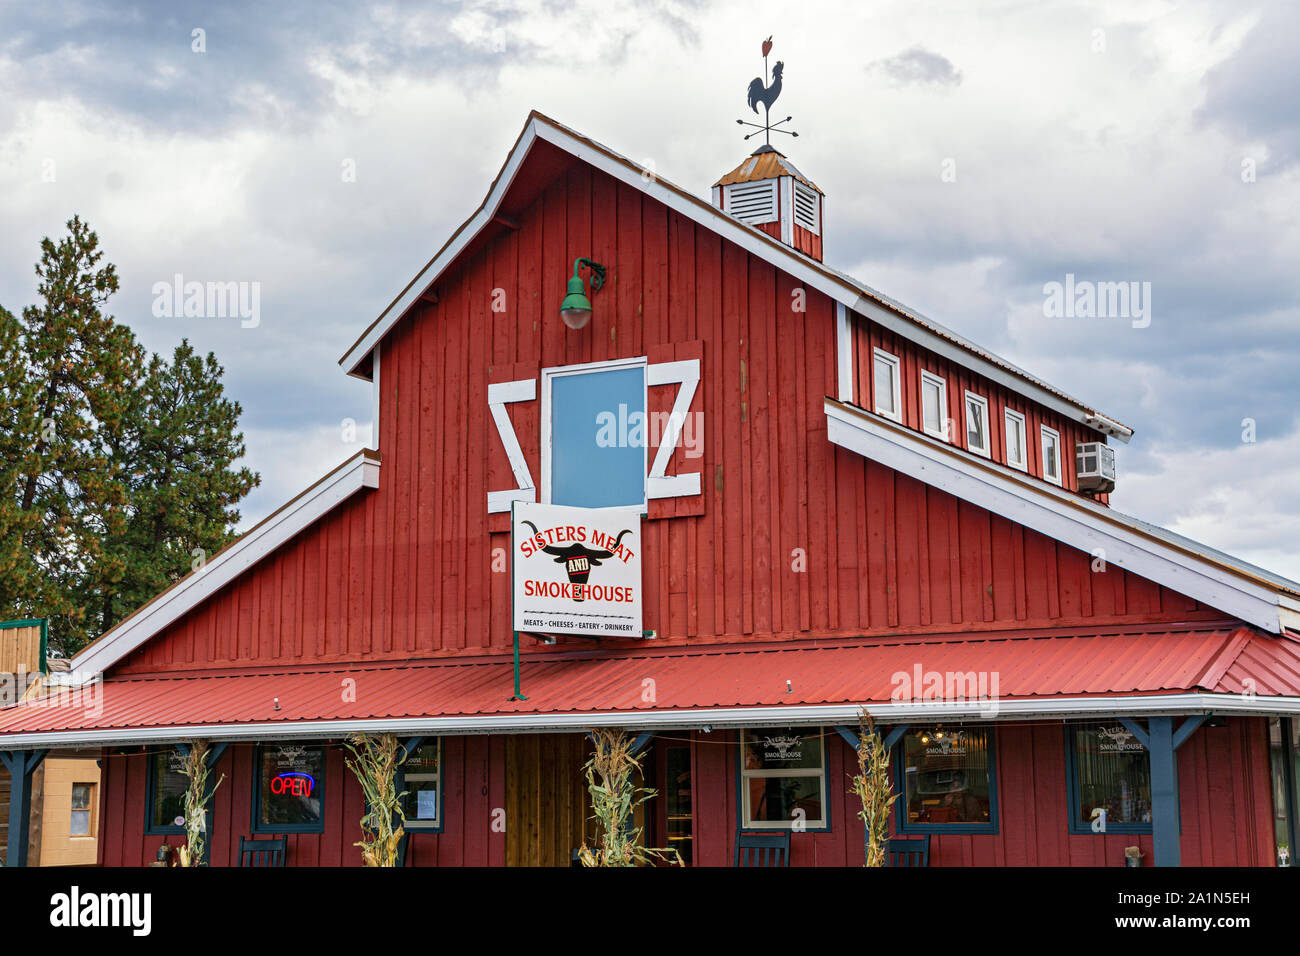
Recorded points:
946,779
934,419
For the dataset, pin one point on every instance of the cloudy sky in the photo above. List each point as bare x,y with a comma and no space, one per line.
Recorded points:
970,153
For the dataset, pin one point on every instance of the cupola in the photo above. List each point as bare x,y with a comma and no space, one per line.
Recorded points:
766,190
769,192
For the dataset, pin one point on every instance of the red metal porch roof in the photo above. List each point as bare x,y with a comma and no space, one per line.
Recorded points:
1029,665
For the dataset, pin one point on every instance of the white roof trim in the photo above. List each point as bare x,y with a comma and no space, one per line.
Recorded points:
840,288
1064,516
1136,705
359,471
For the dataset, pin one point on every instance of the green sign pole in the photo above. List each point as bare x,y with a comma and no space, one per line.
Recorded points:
519,693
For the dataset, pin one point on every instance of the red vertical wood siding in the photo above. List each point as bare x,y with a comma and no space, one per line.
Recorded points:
791,536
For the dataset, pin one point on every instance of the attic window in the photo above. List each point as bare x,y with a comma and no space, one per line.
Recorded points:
888,400
752,202
1051,454
1016,456
934,405
977,424
807,209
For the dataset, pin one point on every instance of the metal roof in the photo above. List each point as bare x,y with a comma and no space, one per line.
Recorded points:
766,163
1028,665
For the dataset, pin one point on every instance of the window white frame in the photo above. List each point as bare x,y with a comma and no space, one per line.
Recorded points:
943,429
1045,435
896,376
550,374
411,823
1015,421
88,810
982,403
746,811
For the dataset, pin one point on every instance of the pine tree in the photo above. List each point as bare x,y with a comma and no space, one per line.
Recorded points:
116,475
83,368
18,435
175,457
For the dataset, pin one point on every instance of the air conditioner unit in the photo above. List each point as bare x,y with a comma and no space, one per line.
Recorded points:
1095,467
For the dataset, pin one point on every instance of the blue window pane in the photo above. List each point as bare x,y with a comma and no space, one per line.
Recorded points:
598,438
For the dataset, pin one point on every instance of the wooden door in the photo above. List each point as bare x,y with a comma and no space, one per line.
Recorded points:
546,798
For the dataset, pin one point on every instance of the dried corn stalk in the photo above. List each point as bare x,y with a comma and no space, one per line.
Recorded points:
197,797
374,762
613,800
874,788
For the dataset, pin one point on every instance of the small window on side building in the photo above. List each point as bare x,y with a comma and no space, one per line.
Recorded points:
83,803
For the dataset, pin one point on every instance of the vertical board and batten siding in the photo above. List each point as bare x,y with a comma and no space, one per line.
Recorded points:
1223,787
405,570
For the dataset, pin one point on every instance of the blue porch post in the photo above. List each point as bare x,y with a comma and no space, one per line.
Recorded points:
21,765
1162,742
1164,792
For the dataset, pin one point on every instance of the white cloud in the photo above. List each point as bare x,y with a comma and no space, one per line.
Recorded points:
228,166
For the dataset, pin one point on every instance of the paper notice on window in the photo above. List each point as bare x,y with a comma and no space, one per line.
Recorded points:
426,805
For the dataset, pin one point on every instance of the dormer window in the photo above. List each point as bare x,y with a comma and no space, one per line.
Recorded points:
977,424
1051,454
934,406
1016,454
889,400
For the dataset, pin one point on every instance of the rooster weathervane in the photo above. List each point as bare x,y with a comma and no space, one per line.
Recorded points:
761,92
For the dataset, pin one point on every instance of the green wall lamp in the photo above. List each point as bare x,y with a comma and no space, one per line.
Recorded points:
575,310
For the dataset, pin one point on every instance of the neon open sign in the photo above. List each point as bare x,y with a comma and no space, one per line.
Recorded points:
295,784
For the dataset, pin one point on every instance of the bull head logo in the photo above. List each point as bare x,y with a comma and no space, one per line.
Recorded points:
578,559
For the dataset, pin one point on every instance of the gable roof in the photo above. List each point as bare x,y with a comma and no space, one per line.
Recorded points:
842,288
1218,580
280,526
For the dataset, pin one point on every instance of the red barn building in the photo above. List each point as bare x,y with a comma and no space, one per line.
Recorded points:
847,505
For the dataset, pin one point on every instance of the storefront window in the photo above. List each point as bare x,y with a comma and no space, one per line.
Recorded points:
290,789
782,776
1111,773
947,780
421,780
167,786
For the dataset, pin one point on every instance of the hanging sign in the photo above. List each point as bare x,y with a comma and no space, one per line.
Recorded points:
576,570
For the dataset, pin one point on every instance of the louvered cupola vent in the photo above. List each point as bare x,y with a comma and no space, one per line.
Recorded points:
754,203
768,192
